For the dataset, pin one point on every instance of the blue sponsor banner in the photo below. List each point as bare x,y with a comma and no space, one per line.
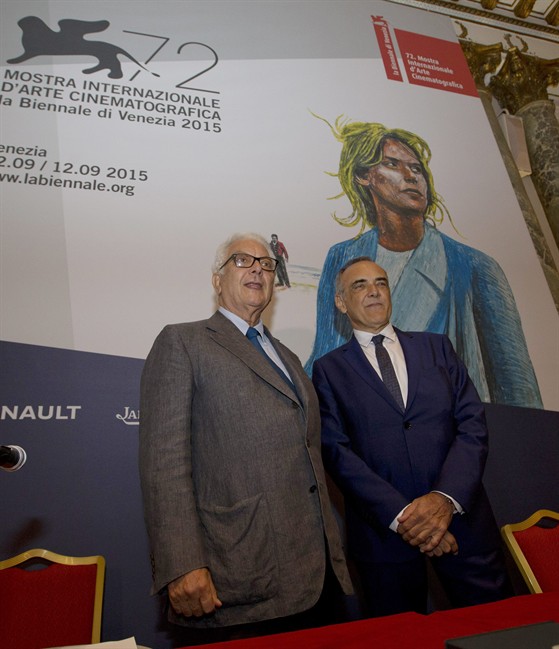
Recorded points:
76,416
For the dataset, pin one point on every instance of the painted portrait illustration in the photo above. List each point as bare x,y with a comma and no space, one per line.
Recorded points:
438,283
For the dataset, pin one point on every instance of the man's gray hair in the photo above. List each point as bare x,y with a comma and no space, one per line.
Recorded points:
355,260
221,255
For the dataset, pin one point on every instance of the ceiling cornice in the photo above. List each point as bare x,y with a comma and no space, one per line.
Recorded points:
501,17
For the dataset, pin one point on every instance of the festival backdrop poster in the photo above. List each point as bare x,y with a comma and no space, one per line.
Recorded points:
214,134
135,137
203,126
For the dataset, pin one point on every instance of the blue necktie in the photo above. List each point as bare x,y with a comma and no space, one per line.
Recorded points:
254,336
387,371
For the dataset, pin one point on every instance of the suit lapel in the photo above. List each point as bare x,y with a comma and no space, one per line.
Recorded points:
355,356
413,365
295,371
226,334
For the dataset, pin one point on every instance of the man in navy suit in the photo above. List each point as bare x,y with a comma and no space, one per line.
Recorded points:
411,474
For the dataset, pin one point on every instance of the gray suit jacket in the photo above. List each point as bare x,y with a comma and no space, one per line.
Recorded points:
232,476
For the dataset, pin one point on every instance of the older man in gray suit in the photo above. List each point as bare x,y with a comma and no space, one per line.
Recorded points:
235,498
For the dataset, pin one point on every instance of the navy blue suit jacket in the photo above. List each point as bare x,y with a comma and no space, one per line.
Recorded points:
382,458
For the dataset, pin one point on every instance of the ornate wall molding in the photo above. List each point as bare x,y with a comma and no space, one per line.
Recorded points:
500,15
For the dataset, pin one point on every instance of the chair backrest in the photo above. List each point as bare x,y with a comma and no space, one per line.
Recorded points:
50,600
534,546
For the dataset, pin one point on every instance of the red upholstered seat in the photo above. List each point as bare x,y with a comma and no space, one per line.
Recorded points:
534,545
44,603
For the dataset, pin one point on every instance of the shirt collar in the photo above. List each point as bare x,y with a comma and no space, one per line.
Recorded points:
241,324
364,337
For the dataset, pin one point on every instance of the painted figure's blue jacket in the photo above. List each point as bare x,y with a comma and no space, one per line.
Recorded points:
449,288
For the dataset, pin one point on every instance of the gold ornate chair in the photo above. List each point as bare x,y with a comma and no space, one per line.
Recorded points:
48,600
534,546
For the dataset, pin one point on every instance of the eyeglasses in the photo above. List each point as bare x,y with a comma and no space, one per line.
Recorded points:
244,260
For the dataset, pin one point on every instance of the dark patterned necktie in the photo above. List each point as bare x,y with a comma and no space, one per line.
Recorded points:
387,371
254,336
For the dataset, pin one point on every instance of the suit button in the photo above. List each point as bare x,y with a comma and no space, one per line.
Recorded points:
407,425
312,489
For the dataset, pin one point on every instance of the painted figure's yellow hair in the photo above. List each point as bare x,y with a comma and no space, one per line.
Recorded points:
362,148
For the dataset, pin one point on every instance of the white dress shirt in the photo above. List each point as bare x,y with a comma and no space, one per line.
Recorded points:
394,349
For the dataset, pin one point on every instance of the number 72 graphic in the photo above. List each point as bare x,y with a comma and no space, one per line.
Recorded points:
193,45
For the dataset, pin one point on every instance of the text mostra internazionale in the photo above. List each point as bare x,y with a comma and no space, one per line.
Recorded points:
37,87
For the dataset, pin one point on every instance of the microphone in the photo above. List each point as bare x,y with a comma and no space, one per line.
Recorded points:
12,458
